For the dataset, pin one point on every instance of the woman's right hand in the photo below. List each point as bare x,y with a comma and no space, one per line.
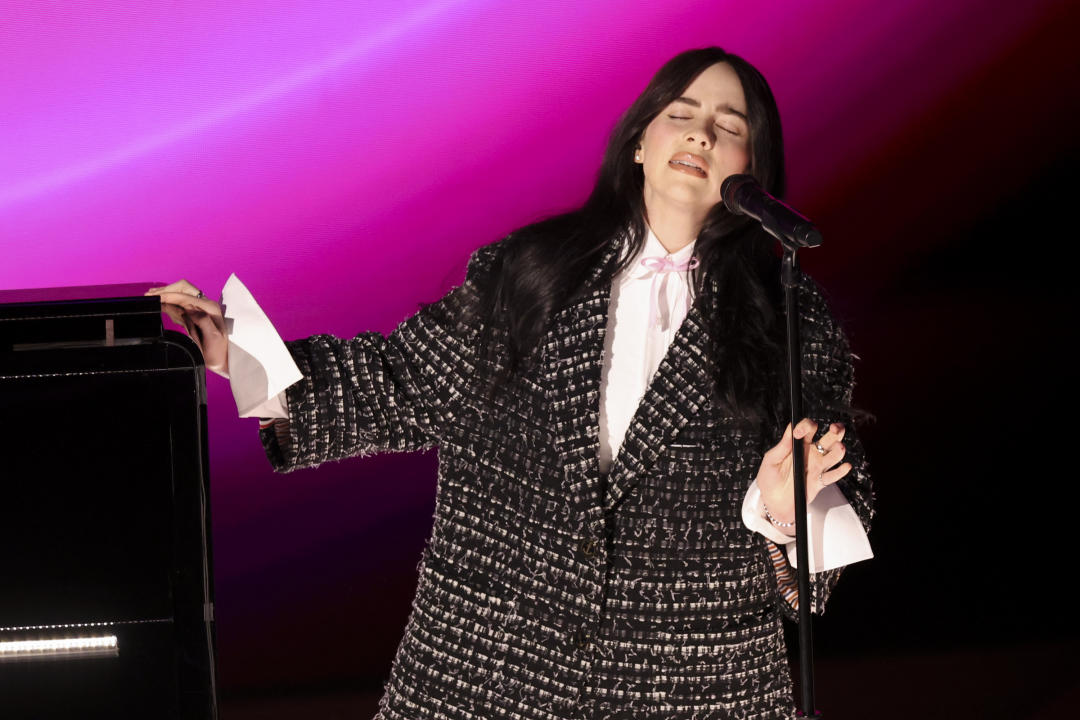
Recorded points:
201,317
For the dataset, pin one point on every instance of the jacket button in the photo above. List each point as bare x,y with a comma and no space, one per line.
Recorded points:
587,547
582,637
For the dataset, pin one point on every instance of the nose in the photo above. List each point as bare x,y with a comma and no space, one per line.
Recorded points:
702,135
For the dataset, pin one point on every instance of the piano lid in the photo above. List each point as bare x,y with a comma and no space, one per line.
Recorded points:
81,292
93,314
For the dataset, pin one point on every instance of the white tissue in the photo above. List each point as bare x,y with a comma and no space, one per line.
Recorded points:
260,366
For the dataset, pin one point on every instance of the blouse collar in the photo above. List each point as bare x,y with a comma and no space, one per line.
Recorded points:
653,248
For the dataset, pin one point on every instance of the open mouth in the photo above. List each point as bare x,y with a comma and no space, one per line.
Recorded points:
684,162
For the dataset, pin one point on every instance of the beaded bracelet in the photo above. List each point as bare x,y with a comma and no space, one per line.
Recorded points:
774,521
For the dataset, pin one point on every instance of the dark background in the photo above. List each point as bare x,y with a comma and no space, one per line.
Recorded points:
949,259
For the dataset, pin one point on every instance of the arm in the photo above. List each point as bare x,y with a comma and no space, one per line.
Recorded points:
828,383
373,393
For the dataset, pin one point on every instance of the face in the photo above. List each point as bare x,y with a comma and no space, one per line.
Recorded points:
694,144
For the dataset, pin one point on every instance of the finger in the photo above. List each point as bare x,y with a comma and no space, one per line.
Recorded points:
206,325
219,322
184,319
191,329
834,435
181,286
190,302
834,456
193,333
215,323
818,481
211,340
776,454
185,299
805,429
831,476
175,313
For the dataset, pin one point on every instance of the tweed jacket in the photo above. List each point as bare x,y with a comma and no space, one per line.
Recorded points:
547,589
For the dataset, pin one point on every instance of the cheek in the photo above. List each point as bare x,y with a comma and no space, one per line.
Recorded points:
663,132
652,142
738,156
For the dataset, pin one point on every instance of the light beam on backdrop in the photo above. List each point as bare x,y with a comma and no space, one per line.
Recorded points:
363,47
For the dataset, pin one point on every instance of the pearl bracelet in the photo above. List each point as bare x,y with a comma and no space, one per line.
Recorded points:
774,521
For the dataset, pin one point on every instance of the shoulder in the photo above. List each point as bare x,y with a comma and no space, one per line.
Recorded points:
485,257
816,311
485,267
531,246
826,351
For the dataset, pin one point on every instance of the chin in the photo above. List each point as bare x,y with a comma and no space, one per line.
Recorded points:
691,199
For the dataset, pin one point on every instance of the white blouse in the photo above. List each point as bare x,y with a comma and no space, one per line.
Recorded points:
632,348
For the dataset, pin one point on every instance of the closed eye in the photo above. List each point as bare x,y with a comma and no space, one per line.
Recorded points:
678,117
727,130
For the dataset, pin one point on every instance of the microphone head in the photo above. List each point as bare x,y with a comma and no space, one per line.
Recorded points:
729,189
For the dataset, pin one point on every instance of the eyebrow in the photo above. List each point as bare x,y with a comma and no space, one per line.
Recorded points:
726,109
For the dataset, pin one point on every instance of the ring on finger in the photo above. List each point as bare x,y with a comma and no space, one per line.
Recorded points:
200,295
821,450
821,478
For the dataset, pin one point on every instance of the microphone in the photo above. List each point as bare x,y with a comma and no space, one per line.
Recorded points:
743,196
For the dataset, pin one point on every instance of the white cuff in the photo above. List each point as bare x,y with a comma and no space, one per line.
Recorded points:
836,536
275,407
260,366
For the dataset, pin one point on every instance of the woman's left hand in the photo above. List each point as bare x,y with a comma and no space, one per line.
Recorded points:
822,461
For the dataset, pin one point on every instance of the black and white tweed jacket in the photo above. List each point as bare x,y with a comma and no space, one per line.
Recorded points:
549,590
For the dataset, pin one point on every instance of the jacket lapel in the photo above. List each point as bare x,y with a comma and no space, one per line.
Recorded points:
677,392
572,363
573,359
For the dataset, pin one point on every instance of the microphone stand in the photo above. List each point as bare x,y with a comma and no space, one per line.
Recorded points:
743,195
789,278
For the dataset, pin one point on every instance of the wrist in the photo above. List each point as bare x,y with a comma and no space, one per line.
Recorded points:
784,524
780,501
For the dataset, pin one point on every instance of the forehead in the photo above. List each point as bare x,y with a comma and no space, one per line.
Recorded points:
717,86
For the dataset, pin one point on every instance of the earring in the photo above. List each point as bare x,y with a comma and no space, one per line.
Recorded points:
637,155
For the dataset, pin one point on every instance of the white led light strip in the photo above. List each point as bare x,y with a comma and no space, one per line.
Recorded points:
58,648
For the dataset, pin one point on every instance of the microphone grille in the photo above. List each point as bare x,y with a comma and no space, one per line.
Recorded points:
730,188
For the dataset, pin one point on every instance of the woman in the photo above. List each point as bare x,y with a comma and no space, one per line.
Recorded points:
605,391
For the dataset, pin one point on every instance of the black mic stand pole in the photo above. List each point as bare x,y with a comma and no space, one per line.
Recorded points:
743,196
789,278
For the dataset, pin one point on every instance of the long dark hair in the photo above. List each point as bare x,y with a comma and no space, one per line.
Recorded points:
546,266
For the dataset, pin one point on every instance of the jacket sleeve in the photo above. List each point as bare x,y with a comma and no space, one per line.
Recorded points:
828,383
376,393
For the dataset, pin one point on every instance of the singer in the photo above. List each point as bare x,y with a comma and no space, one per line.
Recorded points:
605,392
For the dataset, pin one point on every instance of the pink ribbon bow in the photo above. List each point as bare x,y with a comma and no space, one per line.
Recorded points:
660,267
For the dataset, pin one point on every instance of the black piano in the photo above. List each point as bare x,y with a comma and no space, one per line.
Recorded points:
106,582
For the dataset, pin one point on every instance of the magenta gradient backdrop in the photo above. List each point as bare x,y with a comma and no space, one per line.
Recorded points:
344,158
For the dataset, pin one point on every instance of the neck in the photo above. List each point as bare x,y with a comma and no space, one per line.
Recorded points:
675,230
